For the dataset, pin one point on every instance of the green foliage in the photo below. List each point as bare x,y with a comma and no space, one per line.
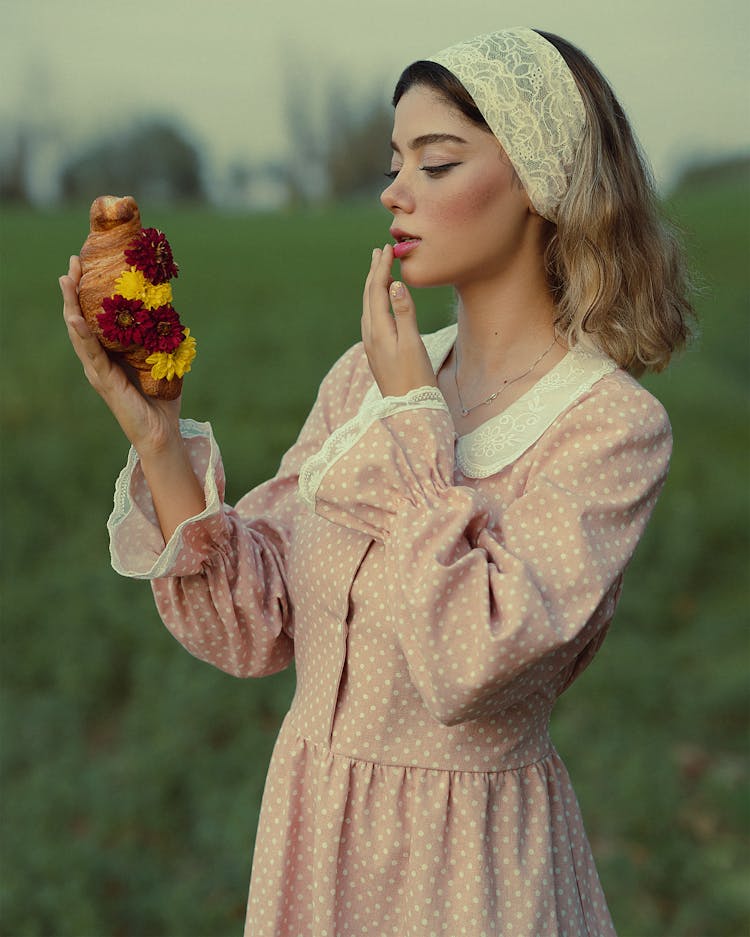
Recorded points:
132,774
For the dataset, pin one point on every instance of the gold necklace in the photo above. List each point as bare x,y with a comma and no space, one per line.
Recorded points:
465,411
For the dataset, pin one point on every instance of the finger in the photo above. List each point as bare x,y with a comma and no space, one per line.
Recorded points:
382,323
374,262
74,269
404,310
69,288
71,309
379,276
96,362
382,279
366,322
382,271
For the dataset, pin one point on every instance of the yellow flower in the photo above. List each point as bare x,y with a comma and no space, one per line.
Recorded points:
132,284
156,296
173,364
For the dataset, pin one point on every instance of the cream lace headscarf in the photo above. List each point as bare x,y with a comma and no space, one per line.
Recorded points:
531,103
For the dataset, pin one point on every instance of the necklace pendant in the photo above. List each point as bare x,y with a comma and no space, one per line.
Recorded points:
464,411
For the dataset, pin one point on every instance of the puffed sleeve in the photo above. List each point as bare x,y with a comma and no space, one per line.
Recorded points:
220,583
485,594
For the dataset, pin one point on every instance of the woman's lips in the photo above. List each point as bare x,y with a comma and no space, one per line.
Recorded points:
402,248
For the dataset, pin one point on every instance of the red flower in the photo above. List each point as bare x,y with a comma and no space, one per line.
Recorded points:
162,329
122,320
151,254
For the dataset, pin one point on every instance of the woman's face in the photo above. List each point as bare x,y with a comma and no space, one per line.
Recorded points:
455,193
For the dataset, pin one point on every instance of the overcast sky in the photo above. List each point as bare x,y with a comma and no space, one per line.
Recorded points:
678,66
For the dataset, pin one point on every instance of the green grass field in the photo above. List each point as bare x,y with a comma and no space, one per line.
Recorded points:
132,774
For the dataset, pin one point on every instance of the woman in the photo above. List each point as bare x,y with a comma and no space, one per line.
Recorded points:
442,549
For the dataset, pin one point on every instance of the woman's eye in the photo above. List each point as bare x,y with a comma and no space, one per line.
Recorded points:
438,170
430,170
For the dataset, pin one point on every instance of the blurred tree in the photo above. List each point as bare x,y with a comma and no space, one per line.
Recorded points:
152,160
338,138
358,151
14,158
303,169
732,168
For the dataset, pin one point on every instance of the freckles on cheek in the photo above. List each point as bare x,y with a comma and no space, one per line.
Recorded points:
469,203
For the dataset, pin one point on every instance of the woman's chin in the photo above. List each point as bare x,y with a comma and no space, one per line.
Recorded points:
420,279
416,281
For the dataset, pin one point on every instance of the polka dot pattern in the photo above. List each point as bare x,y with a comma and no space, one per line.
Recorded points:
434,619
355,847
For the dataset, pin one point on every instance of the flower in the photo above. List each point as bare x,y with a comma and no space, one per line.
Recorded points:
122,320
133,285
176,364
141,312
162,329
150,253
156,296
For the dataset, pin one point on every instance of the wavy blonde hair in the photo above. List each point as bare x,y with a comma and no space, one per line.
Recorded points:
614,263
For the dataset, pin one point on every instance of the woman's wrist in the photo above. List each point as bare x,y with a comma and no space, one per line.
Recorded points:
176,491
164,445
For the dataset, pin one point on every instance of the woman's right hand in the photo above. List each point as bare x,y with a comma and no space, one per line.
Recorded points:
150,424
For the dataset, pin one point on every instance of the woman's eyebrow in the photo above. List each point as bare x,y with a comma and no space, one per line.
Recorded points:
428,138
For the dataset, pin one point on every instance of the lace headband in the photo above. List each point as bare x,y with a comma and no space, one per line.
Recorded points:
529,98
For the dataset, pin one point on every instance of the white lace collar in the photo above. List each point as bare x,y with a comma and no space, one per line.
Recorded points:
500,440
491,446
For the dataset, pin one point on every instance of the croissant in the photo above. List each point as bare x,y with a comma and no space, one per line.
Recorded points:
126,297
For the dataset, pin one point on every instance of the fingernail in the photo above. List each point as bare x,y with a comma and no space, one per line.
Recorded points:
397,289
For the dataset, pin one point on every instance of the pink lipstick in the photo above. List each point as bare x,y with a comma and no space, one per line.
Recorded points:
402,248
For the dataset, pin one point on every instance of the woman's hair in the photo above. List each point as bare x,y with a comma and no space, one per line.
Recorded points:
614,264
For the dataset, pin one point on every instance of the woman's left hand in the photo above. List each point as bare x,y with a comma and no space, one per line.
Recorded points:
398,359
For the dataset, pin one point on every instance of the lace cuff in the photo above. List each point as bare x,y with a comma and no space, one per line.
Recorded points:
347,436
137,545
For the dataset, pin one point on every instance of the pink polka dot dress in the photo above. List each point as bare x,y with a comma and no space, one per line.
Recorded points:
437,595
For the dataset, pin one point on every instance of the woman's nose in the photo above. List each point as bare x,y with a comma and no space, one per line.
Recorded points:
397,197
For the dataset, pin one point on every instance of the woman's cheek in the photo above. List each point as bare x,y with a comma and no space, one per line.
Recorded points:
472,203
463,206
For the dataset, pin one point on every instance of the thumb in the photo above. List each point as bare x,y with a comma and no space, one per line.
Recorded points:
402,304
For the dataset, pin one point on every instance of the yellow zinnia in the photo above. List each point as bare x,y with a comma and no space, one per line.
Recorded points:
156,296
132,284
173,364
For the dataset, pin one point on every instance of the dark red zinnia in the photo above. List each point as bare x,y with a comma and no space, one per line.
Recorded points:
122,320
162,329
151,254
